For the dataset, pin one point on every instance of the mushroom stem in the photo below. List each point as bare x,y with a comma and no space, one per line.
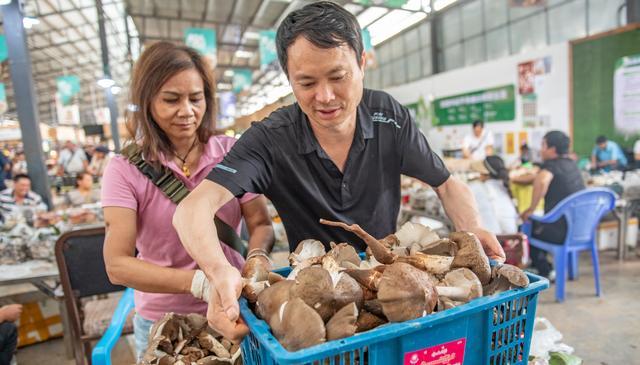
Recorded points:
453,292
379,249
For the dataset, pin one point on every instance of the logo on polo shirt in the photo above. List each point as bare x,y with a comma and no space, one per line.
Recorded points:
226,168
378,117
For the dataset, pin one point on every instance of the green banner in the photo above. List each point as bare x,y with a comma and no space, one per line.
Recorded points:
68,87
491,105
4,53
268,52
389,3
204,41
3,99
242,78
366,40
420,112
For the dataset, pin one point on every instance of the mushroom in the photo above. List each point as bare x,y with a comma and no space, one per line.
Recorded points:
344,254
406,293
343,323
413,233
369,278
207,341
471,255
270,300
347,290
441,247
462,285
367,321
434,264
306,250
296,325
505,277
380,249
374,306
315,287
256,280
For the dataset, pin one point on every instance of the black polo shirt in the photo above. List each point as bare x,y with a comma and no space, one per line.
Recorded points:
281,158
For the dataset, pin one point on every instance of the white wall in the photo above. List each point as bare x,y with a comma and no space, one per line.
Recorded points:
553,96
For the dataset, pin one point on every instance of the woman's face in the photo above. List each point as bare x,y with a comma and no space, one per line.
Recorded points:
179,105
86,182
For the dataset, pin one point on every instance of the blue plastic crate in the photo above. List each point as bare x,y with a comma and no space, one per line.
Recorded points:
494,330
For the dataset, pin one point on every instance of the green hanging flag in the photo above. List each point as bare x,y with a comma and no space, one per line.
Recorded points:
366,40
388,3
204,41
3,99
68,87
268,52
242,78
4,53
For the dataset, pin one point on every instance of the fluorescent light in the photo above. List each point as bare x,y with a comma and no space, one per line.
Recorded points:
224,86
229,73
243,54
28,22
417,5
441,4
115,90
392,24
5,2
370,15
251,35
106,82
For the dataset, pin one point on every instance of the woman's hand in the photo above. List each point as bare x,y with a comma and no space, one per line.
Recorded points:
525,215
223,313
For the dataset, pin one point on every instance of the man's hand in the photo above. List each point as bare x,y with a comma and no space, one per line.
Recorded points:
525,215
490,243
11,312
224,287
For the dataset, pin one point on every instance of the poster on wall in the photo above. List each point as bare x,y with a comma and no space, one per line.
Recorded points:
531,74
626,94
490,105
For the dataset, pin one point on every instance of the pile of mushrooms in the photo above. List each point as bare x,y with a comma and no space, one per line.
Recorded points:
187,340
407,275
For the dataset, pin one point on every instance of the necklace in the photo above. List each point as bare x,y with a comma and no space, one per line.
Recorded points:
185,167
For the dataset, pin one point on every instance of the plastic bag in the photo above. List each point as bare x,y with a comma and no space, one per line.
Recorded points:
546,339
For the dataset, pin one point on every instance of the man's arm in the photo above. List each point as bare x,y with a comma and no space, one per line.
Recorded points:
261,236
540,187
460,206
193,220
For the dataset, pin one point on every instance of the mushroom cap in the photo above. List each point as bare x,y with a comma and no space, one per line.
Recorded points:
315,287
433,264
442,247
406,293
505,277
464,278
343,253
343,323
374,306
251,290
273,278
271,298
297,326
367,321
471,255
411,233
348,290
368,278
305,250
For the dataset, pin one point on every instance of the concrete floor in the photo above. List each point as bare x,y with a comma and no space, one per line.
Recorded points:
603,331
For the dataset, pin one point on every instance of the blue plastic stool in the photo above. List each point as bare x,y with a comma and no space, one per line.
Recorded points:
582,211
101,354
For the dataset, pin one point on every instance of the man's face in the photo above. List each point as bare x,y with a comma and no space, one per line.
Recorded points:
546,152
328,83
70,145
602,145
22,187
477,130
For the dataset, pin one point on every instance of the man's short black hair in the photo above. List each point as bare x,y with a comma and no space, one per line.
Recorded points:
17,177
559,140
478,123
601,139
323,23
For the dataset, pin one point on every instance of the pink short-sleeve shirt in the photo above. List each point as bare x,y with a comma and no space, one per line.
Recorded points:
123,185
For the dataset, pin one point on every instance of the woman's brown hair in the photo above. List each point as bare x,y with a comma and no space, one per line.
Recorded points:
157,64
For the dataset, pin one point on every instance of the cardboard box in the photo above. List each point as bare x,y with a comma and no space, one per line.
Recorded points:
607,234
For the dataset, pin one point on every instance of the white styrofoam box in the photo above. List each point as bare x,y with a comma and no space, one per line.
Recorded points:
607,234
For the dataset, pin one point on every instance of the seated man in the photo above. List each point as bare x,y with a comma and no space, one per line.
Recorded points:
558,178
16,200
8,332
607,155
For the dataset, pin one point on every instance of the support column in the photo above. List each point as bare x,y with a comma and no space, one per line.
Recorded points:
25,98
111,102
633,11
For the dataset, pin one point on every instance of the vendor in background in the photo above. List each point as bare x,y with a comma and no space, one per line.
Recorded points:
72,160
19,164
174,89
19,197
84,193
607,155
636,153
99,161
5,170
479,144
338,154
9,314
558,178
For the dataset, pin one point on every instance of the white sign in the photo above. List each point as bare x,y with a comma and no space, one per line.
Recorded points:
626,94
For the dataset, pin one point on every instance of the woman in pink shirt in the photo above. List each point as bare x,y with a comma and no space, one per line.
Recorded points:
173,90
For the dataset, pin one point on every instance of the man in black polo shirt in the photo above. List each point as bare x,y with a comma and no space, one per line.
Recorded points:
337,154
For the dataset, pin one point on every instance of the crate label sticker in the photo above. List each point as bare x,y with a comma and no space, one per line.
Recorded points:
450,353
